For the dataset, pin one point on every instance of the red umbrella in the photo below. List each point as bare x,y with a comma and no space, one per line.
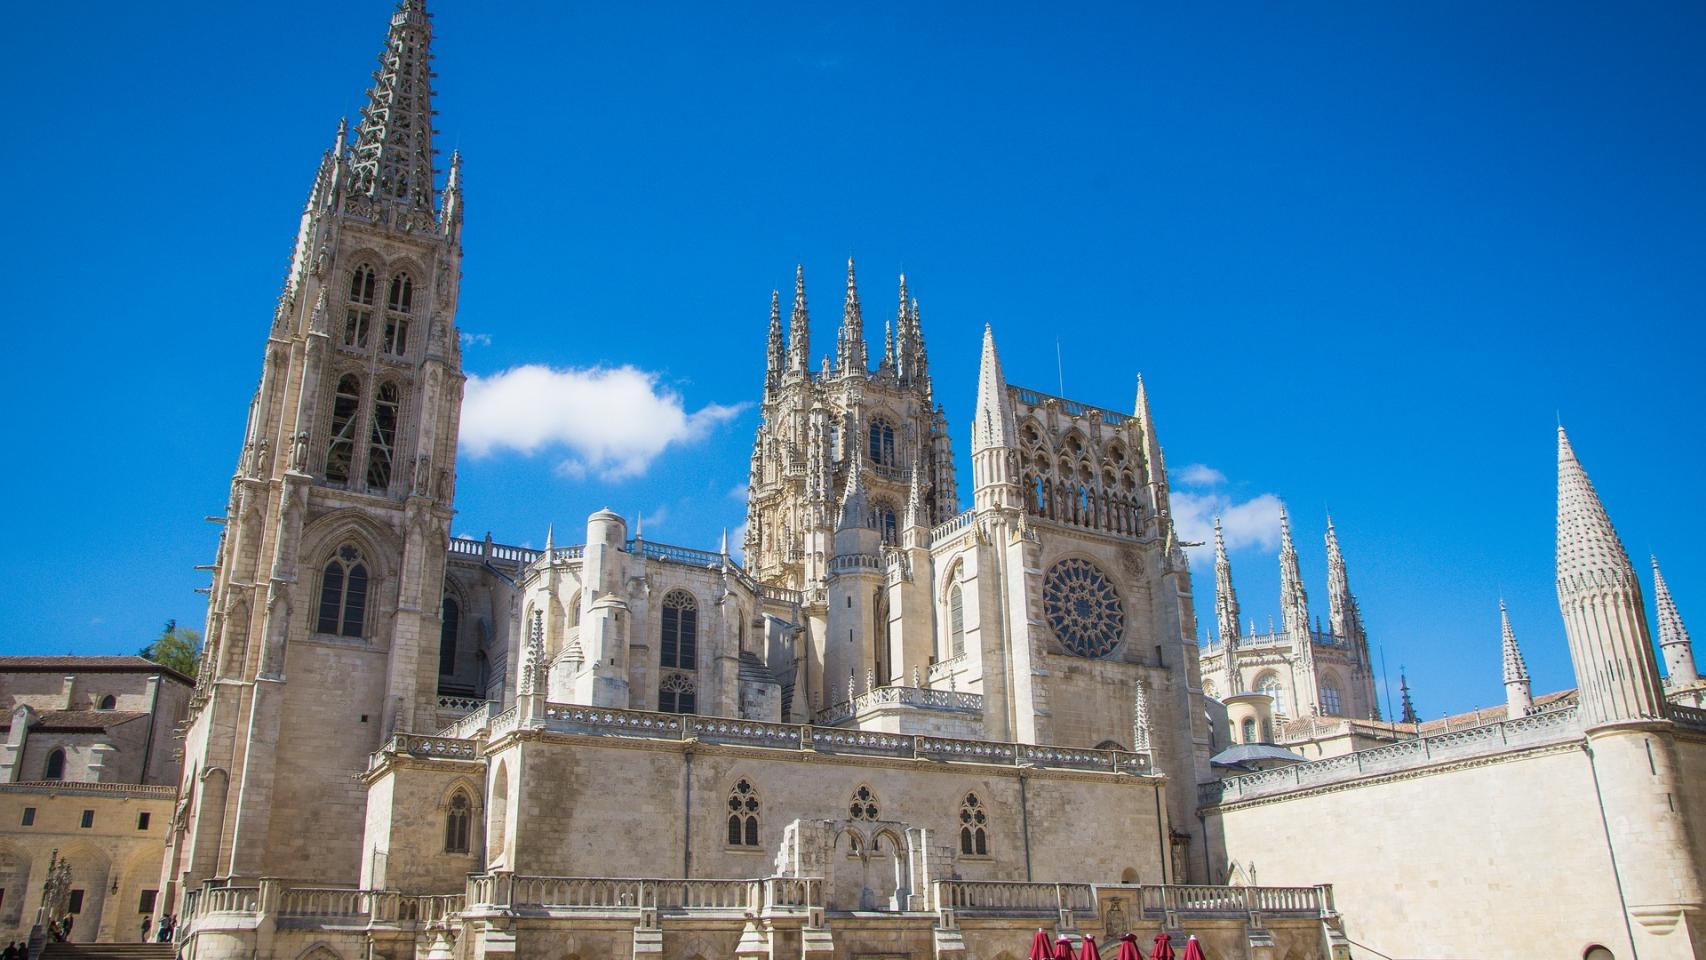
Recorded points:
1163,948
1128,948
1063,950
1089,951
1193,950
1039,947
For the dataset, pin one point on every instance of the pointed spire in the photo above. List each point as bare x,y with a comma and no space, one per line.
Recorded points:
774,356
550,530
451,209
850,352
1342,614
393,149
993,424
1140,722
855,505
888,345
916,514
1605,617
1515,668
1294,599
1154,463
1226,612
799,326
1408,714
904,355
724,549
1673,636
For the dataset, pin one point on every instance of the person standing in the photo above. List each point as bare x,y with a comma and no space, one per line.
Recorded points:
147,924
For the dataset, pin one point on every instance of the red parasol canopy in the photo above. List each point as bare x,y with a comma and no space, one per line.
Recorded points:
1193,950
1040,949
1089,951
1128,948
1063,950
1163,948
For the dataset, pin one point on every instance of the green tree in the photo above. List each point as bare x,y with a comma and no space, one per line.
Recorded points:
178,648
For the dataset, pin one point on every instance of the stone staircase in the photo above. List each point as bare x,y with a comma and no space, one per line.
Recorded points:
105,951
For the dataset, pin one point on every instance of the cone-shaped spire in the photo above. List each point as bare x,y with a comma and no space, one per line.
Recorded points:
774,355
1519,698
550,531
393,150
850,352
1342,614
1140,722
1154,463
1294,600
799,326
888,345
452,209
1604,615
916,514
993,424
855,505
1673,636
1407,708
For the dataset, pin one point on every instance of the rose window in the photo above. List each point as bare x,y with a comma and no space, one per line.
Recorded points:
1082,608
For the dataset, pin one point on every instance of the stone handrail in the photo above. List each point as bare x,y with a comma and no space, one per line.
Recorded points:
921,697
326,902
154,791
1691,717
674,554
487,550
1013,897
951,526
611,722
222,900
789,894
1072,408
434,909
780,594
1534,730
631,896
1203,900
849,562
465,705
471,723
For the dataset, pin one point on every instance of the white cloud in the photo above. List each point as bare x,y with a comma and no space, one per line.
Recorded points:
1246,523
737,543
739,492
613,421
476,339
1200,475
656,518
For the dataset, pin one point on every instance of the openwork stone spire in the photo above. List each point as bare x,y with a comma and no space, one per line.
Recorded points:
993,424
1519,699
1604,616
1226,611
850,351
1673,636
855,504
1294,600
1140,729
773,353
393,151
1342,614
799,326
1407,707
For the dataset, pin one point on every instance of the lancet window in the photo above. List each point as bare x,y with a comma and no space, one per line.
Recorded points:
884,521
382,438
399,307
956,621
343,593
1331,703
678,694
1249,730
1270,685
341,452
743,814
974,823
680,641
450,626
457,818
55,769
358,318
882,443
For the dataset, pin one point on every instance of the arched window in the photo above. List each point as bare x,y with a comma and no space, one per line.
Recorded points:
456,823
743,815
575,611
882,519
452,624
882,443
399,305
863,806
680,646
359,317
956,622
382,437
108,702
1270,685
343,593
55,769
1249,729
1331,701
342,449
677,694
974,837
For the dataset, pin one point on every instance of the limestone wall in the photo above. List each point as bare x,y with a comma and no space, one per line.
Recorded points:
1491,857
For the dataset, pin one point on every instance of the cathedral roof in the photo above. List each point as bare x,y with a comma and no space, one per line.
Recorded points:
89,665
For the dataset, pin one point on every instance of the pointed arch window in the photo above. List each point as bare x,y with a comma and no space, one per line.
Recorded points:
956,622
382,437
1270,685
883,519
677,693
343,594
458,816
1249,729
450,626
680,641
974,824
399,307
743,814
1331,699
55,768
882,443
358,318
341,452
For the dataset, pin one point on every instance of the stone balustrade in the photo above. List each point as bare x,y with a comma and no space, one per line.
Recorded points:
424,747
923,698
1012,898
1203,900
1692,717
620,896
950,527
1535,730
326,902
472,722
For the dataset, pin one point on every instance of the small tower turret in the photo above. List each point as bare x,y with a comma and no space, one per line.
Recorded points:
1673,636
1519,699
993,436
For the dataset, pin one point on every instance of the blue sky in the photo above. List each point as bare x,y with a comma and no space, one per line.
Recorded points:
1363,255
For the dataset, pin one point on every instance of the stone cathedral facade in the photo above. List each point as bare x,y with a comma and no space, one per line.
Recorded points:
900,726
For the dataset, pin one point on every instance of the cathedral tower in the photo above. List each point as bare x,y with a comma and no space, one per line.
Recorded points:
324,614
1226,615
1630,743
